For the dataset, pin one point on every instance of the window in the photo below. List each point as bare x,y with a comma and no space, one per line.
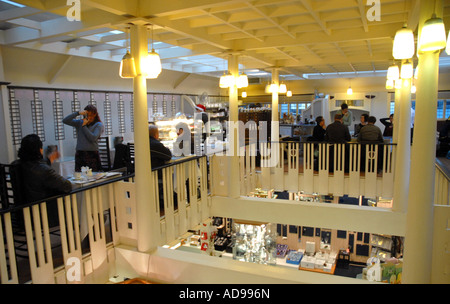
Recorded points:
293,109
440,109
283,109
447,109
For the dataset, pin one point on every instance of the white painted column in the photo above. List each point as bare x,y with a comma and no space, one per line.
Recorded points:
6,143
419,221
275,128
233,159
146,232
402,161
396,115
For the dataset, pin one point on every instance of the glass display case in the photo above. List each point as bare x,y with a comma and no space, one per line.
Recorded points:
254,242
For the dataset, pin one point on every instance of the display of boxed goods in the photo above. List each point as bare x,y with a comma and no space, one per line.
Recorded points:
319,263
281,250
308,262
254,242
194,240
328,267
294,257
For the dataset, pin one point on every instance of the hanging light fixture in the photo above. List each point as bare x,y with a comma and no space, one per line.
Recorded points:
127,67
244,94
407,70
289,93
403,44
349,91
152,63
432,38
413,89
242,81
282,89
389,84
393,72
226,80
273,88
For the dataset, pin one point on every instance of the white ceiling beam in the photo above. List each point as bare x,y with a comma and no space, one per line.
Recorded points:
15,13
117,7
308,5
362,12
56,71
26,23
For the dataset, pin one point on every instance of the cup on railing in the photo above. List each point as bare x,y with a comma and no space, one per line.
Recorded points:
77,175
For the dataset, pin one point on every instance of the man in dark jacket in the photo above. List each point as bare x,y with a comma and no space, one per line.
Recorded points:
337,132
160,154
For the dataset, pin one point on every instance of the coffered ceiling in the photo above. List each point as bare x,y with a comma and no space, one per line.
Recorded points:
304,38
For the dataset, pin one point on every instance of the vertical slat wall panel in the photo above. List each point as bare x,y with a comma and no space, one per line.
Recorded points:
278,170
8,273
265,166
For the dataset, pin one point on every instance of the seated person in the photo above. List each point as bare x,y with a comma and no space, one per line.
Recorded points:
388,125
370,133
364,117
337,132
37,179
159,153
319,130
122,155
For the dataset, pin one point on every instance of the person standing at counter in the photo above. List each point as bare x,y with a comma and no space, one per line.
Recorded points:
89,129
388,125
319,130
347,115
36,179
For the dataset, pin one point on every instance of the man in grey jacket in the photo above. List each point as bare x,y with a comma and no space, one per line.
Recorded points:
337,132
370,132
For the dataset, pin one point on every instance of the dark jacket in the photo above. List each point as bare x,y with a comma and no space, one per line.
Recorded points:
337,133
40,181
159,153
388,126
36,181
370,133
318,133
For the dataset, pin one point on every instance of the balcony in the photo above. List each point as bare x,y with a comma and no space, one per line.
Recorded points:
192,191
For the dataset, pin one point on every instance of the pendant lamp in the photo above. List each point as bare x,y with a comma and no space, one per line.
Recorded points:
289,93
242,81
403,44
389,84
407,70
127,67
393,72
349,91
152,63
432,37
226,81
282,89
244,94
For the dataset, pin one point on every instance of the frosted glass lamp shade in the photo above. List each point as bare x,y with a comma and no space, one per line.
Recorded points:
349,91
127,68
282,89
403,44
244,94
273,88
432,37
413,89
289,93
389,84
407,70
226,81
152,65
242,81
393,72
